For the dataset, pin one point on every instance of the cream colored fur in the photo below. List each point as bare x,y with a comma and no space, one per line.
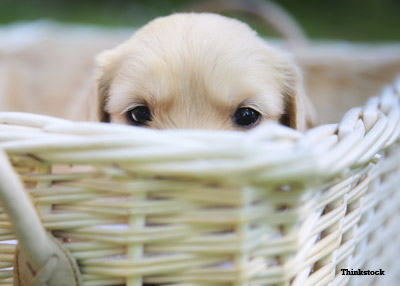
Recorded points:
194,71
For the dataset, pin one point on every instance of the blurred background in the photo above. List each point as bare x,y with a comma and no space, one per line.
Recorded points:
47,48
353,20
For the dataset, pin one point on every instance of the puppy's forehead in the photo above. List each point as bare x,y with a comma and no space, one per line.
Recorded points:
193,58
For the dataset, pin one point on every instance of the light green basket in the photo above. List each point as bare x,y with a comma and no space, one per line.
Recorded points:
269,207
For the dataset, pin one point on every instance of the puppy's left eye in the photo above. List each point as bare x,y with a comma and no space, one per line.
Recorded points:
245,117
139,116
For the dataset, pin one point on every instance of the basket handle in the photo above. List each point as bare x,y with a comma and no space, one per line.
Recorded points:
271,13
40,259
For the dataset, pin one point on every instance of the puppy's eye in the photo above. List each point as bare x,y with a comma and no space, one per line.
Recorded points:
245,117
139,116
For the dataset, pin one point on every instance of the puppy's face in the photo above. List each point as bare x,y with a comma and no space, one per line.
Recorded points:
198,71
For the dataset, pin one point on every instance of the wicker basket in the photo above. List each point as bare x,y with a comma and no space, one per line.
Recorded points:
273,206
268,207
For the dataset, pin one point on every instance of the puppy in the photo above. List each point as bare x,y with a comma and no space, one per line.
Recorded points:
200,71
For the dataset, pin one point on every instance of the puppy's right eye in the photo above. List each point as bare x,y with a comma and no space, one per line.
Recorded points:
139,116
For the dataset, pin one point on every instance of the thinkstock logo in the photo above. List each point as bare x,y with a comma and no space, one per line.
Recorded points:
362,272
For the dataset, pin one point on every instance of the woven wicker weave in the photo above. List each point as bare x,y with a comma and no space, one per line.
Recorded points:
267,207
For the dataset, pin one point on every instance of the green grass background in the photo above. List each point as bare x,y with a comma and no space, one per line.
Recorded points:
354,20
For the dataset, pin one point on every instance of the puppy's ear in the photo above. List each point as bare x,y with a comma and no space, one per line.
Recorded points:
107,62
299,112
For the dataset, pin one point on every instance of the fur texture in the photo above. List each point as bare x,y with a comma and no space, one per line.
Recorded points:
193,71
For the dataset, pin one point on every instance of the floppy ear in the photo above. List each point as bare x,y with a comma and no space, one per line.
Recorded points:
107,62
299,112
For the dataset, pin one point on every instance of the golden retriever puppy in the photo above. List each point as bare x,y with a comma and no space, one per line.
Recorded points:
199,71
